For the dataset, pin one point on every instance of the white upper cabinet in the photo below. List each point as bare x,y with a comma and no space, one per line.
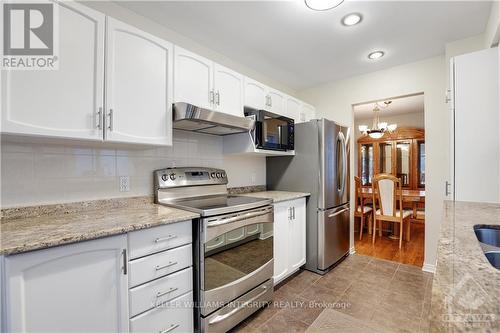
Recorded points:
64,102
79,287
276,102
228,90
292,107
193,79
307,112
256,95
138,86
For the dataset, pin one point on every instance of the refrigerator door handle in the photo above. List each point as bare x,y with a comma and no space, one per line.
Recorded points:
339,212
341,140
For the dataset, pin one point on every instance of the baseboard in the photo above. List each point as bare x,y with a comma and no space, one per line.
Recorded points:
352,250
429,268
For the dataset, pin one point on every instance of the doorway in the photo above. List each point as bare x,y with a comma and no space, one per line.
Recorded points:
389,137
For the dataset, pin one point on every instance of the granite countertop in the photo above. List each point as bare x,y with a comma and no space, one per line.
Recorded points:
34,228
466,288
277,196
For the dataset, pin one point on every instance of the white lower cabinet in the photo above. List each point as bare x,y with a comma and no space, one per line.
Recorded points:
289,236
174,316
84,287
80,287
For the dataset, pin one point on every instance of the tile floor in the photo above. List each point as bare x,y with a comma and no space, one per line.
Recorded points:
362,294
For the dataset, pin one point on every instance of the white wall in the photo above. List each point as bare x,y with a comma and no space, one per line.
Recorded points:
335,100
492,32
41,173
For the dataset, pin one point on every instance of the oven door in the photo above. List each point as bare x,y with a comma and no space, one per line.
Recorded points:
236,255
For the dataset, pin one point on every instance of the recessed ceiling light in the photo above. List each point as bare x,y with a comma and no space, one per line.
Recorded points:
351,19
376,55
322,4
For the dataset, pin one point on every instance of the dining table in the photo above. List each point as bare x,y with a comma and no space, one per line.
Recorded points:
409,196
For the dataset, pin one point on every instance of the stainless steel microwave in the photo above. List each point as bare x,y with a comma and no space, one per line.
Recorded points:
272,131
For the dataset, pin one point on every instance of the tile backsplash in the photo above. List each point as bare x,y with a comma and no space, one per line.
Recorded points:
40,173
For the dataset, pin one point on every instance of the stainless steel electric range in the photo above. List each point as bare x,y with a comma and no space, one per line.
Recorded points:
232,242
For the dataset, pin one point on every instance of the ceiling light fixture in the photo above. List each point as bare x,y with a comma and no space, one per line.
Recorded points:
378,128
376,55
322,4
351,19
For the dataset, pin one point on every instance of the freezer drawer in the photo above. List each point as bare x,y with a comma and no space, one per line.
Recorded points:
333,235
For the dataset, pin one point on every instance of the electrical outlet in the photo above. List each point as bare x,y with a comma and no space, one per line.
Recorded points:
124,183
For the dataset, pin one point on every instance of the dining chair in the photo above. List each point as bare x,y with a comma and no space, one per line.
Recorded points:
387,194
361,210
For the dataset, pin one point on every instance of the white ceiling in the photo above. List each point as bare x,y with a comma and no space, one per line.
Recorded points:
301,48
403,105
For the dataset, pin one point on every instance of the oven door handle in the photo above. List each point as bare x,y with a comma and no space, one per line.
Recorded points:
240,217
218,319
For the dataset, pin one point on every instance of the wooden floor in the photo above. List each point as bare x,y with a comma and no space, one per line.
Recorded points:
411,253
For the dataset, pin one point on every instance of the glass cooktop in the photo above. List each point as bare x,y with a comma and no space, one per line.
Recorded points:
218,204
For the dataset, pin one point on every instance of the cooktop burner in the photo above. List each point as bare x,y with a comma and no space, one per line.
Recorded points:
217,204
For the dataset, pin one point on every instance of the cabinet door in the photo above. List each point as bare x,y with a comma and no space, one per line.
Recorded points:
280,240
297,242
293,109
307,112
193,79
63,102
228,87
138,86
255,95
74,288
277,102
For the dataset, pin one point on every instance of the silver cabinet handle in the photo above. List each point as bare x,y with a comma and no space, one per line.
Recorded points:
218,319
163,293
124,258
270,101
211,97
170,263
163,239
110,114
293,212
339,212
289,213
170,329
99,118
447,186
217,98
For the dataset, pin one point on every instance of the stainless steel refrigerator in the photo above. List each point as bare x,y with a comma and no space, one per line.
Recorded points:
321,167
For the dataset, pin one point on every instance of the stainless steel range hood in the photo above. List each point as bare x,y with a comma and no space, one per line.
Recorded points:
189,117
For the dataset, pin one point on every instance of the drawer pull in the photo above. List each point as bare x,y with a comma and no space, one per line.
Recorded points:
163,239
170,263
163,293
170,329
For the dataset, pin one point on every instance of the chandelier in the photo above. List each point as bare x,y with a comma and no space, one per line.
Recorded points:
378,128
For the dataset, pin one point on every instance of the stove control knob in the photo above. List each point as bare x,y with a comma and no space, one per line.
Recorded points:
164,177
172,176
217,175
212,175
223,175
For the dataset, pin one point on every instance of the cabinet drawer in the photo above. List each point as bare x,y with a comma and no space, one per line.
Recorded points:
175,317
144,242
156,292
157,265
